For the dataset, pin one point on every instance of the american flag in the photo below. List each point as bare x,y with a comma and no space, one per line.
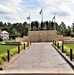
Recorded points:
28,17
40,11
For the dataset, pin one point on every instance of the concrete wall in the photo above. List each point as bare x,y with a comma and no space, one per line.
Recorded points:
68,41
61,37
19,39
42,36
24,39
66,37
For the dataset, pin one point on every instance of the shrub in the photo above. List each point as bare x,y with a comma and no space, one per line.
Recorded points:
21,47
4,58
12,54
27,44
1,61
1,38
13,51
67,50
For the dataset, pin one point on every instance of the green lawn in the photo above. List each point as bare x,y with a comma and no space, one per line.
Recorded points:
4,48
70,45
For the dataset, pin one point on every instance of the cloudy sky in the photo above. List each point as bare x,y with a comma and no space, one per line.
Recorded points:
19,10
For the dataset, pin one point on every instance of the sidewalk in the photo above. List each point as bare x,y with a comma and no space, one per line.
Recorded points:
40,57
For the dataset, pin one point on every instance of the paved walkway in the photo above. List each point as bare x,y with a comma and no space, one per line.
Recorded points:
40,57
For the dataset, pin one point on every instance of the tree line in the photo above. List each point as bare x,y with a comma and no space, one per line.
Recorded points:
61,28
15,29
21,29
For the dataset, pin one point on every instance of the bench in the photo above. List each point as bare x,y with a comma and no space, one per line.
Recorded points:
12,43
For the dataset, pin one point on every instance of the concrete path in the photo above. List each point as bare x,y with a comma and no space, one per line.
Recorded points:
40,57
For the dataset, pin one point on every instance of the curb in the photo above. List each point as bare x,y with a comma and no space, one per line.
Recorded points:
65,57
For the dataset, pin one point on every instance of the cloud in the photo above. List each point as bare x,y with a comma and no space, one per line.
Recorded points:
11,2
10,9
56,2
18,10
5,10
63,8
58,5
62,13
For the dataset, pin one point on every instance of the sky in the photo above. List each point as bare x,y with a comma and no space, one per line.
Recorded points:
18,10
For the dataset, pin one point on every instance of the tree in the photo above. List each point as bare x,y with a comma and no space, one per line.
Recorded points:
1,38
68,31
15,33
56,26
52,25
1,24
5,24
24,24
9,24
26,31
47,25
19,27
62,28
37,25
42,25
32,26
73,27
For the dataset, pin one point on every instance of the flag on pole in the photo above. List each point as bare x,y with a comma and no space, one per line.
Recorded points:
28,17
53,18
40,11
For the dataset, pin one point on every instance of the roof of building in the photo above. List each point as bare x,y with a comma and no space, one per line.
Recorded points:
4,32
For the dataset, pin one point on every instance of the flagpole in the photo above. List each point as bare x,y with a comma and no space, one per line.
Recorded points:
30,19
54,21
42,15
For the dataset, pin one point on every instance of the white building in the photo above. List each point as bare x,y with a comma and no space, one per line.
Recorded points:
4,34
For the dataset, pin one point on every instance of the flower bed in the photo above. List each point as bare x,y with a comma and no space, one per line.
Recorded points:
66,48
3,56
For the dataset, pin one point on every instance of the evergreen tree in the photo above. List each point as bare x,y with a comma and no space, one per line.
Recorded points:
47,25
62,28
42,25
52,25
73,27
32,26
37,25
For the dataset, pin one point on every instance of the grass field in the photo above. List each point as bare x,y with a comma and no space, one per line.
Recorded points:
13,50
70,46
4,48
